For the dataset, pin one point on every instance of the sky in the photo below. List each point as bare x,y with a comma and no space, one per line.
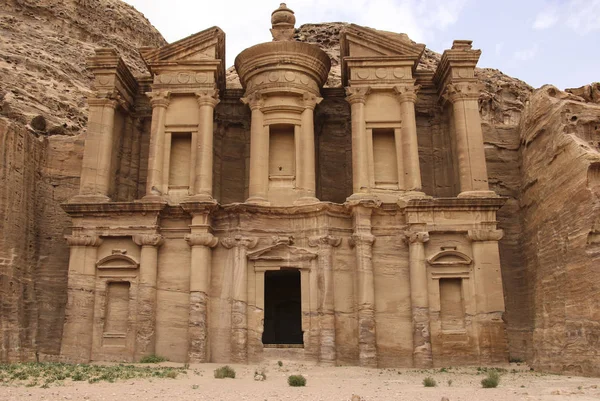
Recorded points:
537,41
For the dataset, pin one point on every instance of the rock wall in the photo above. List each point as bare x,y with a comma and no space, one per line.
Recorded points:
560,204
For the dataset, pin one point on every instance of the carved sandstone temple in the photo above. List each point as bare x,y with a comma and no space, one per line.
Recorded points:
340,225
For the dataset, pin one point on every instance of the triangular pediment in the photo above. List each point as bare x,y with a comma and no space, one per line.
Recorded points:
282,253
206,47
359,41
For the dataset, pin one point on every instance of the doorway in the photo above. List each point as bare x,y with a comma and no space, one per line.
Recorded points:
283,308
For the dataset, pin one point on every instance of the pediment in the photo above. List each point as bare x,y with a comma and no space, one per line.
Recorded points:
359,41
282,253
449,258
206,47
117,261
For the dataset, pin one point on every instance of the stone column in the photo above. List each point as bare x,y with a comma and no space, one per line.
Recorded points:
239,307
77,340
362,240
96,167
419,299
258,187
489,294
326,305
145,339
307,149
207,100
360,165
407,96
155,185
200,273
472,169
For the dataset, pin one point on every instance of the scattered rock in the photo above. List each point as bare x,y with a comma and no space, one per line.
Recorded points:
38,123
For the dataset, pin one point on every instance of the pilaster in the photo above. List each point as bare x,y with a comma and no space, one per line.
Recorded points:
419,298
239,295
155,185
76,345
145,340
307,182
200,276
326,299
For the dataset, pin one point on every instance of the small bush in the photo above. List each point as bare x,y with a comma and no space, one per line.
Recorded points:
450,383
224,372
429,382
279,363
297,381
492,380
153,359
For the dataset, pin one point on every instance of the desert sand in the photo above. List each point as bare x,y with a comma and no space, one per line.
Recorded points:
323,383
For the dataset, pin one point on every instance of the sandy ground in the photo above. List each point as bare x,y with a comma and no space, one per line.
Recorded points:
334,383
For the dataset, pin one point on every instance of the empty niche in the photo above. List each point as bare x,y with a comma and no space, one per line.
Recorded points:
282,150
384,159
117,313
451,304
179,161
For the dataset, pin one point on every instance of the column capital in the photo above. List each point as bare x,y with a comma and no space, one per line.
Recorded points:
202,239
207,97
239,241
324,240
310,100
413,237
159,98
83,240
103,99
485,235
357,94
361,239
407,92
154,240
461,91
255,100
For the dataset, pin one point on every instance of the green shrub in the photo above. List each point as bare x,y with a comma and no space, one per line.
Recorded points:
429,382
492,379
279,363
224,372
297,381
153,359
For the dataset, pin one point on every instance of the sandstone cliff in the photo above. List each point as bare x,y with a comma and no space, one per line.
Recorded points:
43,48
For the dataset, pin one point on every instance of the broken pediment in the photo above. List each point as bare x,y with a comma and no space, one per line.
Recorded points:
117,261
282,253
201,51
365,46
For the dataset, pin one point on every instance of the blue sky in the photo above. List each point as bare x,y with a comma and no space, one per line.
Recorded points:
538,41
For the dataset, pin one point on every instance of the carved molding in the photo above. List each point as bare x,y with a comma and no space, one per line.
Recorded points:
407,93
148,239
461,91
208,97
203,239
105,99
159,98
83,240
485,235
239,241
255,100
324,240
361,239
417,236
283,239
357,94
311,100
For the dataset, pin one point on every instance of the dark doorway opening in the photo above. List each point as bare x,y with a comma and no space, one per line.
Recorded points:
283,307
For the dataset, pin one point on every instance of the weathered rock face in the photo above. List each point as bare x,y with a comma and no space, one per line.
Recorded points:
43,72
560,205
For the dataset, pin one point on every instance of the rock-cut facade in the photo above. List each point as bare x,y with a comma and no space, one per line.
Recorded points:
283,219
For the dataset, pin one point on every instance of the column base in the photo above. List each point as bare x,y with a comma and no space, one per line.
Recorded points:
478,194
306,200
90,199
200,198
153,198
258,200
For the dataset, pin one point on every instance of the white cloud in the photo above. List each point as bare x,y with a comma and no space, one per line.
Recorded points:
527,54
584,16
546,18
247,23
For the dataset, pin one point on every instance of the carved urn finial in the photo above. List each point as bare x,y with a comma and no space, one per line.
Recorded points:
283,21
